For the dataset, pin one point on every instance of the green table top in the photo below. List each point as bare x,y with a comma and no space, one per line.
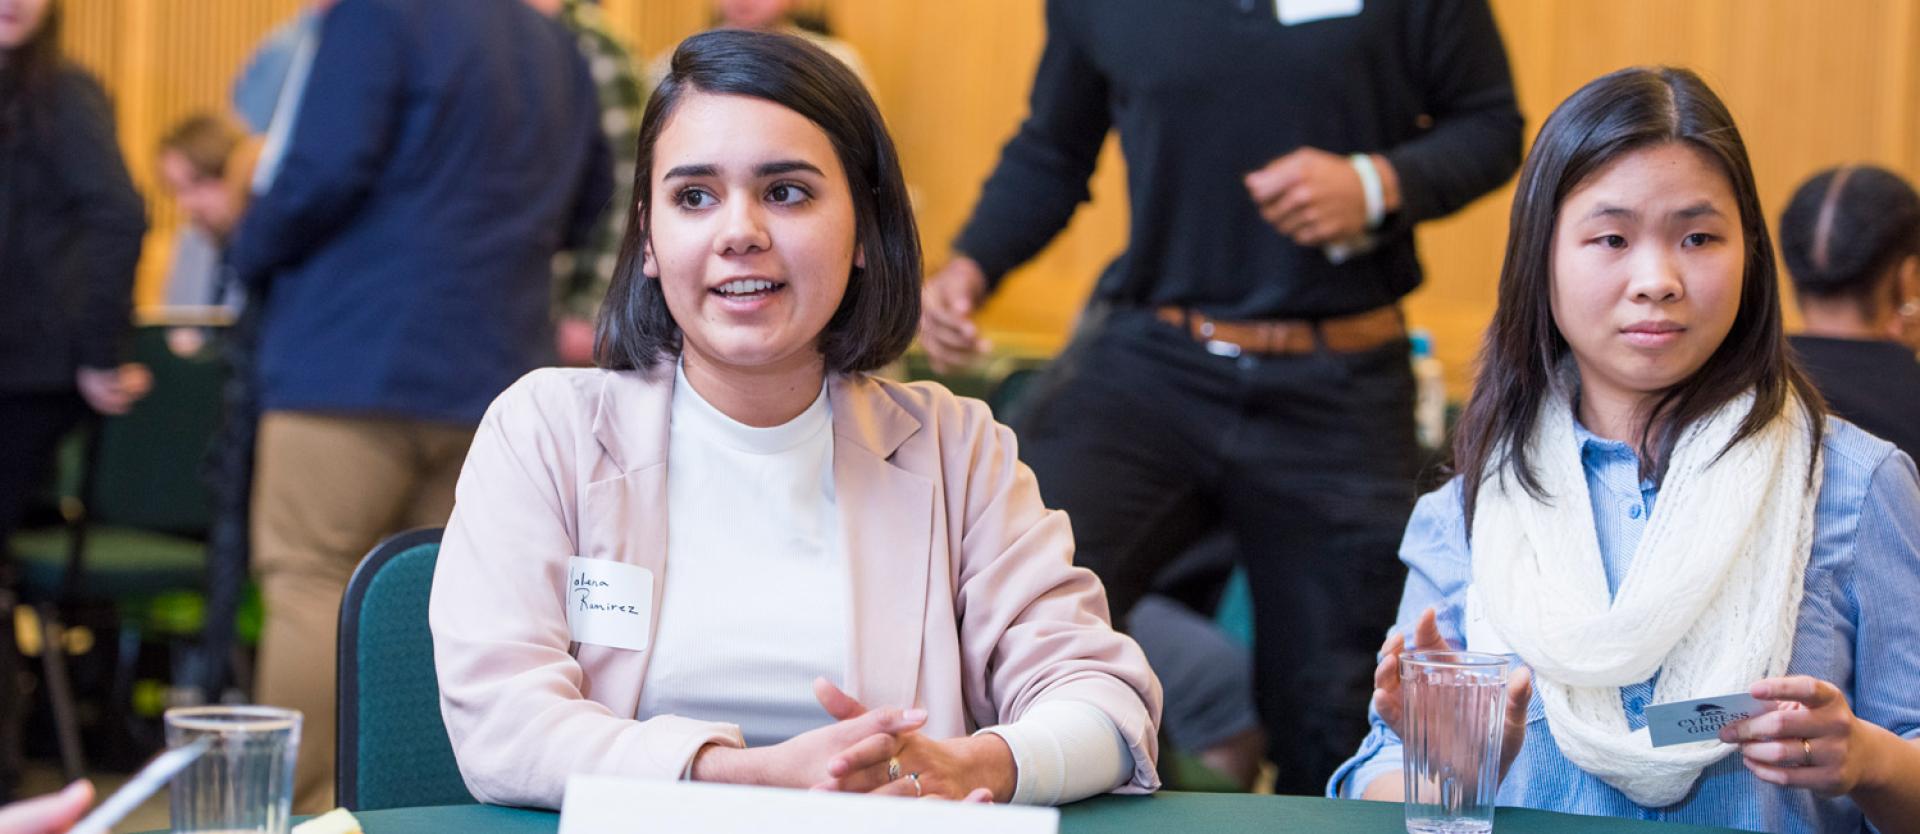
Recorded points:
1165,811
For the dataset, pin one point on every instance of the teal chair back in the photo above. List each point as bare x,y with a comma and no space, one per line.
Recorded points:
144,509
391,750
148,471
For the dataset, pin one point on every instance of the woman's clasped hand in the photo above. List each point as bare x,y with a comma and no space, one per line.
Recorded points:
880,751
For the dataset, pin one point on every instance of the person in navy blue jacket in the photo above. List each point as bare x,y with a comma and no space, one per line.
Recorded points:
443,151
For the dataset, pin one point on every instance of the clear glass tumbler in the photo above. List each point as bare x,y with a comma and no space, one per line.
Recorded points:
244,782
1454,718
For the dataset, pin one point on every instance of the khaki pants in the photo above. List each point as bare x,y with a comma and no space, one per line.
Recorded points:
327,489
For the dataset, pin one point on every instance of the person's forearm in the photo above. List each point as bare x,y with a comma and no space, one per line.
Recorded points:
1041,178
1389,183
991,761
110,264
1890,796
731,765
1387,787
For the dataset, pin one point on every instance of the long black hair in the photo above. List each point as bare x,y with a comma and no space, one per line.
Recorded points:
877,318
28,74
1846,230
1609,118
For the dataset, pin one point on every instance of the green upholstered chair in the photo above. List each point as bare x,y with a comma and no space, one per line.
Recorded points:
1010,393
391,748
140,510
137,513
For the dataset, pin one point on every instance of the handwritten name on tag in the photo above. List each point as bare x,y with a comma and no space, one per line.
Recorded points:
613,805
609,603
1700,719
1296,12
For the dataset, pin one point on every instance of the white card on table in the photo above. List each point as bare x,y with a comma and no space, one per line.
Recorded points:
609,603
1700,719
1296,12
613,805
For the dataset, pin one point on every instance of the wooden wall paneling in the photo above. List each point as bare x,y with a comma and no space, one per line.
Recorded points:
652,27
954,79
1811,84
1908,44
161,60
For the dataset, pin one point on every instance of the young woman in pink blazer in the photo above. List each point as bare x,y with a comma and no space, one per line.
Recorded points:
659,568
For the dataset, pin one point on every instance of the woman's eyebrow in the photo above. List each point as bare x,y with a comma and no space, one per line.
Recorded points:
1614,212
786,166
1700,209
690,171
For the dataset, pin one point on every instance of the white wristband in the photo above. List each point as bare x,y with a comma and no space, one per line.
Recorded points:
1370,185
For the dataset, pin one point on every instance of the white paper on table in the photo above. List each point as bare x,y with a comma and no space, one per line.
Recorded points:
614,805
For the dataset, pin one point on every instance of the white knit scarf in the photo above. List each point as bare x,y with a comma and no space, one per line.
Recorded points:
1710,600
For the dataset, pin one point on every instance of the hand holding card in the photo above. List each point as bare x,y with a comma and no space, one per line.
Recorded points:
1812,740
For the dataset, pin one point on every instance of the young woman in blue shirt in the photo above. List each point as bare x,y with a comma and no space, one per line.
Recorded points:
1652,504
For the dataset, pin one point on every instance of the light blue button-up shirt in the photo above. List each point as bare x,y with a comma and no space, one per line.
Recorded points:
1857,629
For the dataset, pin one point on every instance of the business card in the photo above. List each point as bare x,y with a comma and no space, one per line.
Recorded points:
1700,719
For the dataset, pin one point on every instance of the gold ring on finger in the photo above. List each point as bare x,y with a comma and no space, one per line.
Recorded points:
1806,748
893,768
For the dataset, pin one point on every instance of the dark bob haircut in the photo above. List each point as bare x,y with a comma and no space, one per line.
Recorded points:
1606,120
877,318
1844,232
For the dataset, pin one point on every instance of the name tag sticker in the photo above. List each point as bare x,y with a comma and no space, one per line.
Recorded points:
609,603
1700,719
1296,12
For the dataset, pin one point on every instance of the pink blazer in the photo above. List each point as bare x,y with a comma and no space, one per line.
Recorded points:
965,599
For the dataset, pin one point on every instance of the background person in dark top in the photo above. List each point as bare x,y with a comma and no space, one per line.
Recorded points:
1851,239
1244,360
70,231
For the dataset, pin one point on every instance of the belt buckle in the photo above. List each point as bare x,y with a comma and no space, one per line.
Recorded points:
1217,347
1224,349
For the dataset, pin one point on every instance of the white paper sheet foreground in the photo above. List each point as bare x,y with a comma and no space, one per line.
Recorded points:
611,805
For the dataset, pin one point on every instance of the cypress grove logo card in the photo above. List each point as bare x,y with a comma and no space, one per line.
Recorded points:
1700,719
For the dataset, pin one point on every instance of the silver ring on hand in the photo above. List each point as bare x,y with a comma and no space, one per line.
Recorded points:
893,768
915,779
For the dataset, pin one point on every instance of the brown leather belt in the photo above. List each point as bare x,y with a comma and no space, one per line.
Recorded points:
1284,337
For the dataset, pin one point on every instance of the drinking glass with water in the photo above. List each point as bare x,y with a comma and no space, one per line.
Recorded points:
243,782
1455,704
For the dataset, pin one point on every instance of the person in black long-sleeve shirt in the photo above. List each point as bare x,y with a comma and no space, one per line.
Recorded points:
1244,361
70,233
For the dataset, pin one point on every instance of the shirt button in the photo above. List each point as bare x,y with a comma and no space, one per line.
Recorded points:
1634,511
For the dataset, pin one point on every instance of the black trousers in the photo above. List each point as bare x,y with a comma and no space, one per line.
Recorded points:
31,425
1148,440
228,471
